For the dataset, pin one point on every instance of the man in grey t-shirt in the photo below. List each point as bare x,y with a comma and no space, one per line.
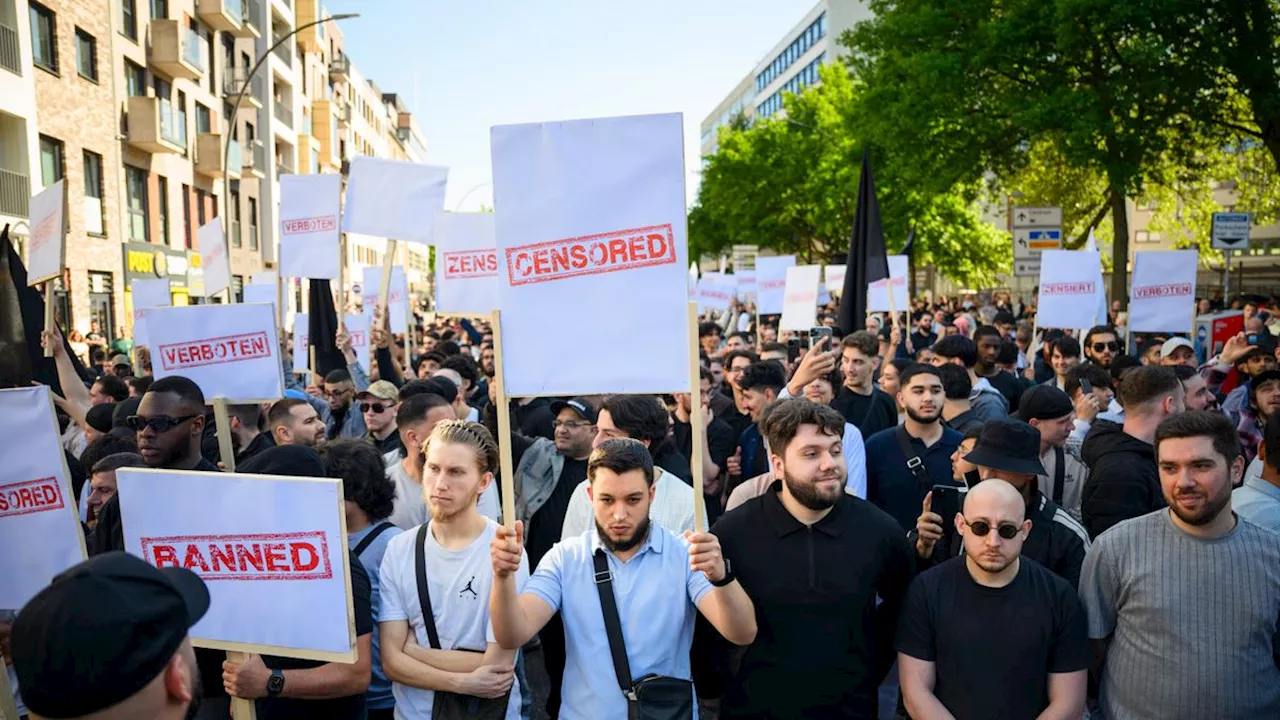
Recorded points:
1186,600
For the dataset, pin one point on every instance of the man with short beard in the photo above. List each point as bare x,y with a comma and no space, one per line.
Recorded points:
1166,590
815,658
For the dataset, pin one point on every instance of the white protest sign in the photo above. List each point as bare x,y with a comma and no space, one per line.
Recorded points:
800,304
266,277
358,328
301,343
771,282
393,199
878,291
397,296
1164,291
715,291
824,295
213,257
272,551
466,263
230,351
745,283
834,275
592,233
1068,286
147,294
40,532
46,248
309,210
259,293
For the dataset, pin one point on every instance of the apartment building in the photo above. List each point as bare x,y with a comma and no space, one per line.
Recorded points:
19,147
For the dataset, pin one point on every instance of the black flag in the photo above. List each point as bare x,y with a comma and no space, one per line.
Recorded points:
867,262
323,329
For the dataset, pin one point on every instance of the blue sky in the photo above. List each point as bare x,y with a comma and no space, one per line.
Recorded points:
463,66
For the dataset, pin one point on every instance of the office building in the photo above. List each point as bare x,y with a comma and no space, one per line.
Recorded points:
19,147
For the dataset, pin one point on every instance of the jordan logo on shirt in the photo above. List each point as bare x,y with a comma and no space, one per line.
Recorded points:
469,589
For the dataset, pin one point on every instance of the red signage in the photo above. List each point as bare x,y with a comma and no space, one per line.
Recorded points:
30,496
275,556
591,255
302,226
1072,288
466,264
1161,291
215,351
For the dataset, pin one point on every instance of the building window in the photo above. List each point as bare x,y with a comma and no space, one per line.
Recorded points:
52,168
129,19
93,222
135,79
200,216
101,304
44,38
186,216
235,220
237,288
253,223
86,55
163,192
204,123
159,9
136,189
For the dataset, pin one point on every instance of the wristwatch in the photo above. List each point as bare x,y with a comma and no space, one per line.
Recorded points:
728,575
275,683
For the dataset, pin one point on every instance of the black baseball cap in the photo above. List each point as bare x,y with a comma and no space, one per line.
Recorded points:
1044,402
580,405
101,632
1008,445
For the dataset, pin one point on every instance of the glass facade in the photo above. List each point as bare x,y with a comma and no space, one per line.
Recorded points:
793,52
801,80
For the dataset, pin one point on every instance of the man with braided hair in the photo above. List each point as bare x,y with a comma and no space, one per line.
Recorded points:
461,459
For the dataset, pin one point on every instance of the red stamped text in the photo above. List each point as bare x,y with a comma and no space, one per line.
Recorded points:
591,255
277,556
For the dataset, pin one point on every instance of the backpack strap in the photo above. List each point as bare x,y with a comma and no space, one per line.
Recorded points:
424,596
612,623
373,535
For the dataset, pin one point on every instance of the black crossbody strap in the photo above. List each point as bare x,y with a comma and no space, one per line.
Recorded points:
373,535
914,463
1059,474
612,624
424,596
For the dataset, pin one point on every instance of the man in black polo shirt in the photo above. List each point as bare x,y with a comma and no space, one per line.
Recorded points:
813,559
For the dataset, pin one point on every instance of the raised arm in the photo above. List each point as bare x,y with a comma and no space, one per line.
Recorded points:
516,618
728,608
76,395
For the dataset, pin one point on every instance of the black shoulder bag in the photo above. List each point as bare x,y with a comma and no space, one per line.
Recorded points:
373,535
447,705
652,697
914,463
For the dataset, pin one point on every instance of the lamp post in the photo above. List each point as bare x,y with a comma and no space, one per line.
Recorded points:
458,206
235,110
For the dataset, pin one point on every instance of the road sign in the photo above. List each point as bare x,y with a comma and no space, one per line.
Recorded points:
1037,217
1028,243
1026,268
1230,231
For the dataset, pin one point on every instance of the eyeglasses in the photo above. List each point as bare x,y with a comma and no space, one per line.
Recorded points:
1112,346
1008,531
161,423
571,424
337,393
378,408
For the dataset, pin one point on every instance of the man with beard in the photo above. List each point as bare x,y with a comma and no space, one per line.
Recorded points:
294,422
903,462
1027,621
107,640
1194,389
1101,345
453,545
416,416
1194,575
819,653
661,578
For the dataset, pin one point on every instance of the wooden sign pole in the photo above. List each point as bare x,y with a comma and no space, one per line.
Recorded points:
240,709
49,316
340,292
384,289
503,408
8,706
697,431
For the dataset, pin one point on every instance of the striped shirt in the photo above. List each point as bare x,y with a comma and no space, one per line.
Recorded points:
1193,622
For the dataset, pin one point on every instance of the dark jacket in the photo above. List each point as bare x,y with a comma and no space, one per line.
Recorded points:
535,419
1123,482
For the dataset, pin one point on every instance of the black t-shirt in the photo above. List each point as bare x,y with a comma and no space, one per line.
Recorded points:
1009,386
546,524
346,708
994,648
869,413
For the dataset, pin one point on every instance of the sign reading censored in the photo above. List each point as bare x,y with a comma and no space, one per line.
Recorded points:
31,496
592,254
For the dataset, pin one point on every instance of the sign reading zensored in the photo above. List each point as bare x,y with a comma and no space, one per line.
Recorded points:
466,263
878,291
592,233
1069,281
46,248
397,296
271,550
230,351
39,529
1164,291
771,282
393,199
309,210
213,258
800,304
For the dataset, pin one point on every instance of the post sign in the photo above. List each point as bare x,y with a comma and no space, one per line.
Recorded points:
1035,230
1230,231
1037,217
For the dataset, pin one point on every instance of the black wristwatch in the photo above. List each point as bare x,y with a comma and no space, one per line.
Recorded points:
728,575
275,683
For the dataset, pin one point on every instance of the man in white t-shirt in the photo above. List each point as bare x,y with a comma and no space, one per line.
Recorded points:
458,466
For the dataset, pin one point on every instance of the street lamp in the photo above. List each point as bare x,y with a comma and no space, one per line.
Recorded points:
235,110
458,206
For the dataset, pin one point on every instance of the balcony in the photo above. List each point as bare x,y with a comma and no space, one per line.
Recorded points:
283,113
253,98
340,69
283,52
224,15
308,150
255,160
209,156
10,50
15,194
156,126
310,39
251,27
284,167
176,50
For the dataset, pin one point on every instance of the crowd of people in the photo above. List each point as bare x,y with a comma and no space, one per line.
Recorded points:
946,516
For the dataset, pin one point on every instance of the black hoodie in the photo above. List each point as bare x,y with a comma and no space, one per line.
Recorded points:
1123,482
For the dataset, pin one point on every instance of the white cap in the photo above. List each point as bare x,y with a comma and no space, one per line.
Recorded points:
1174,343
